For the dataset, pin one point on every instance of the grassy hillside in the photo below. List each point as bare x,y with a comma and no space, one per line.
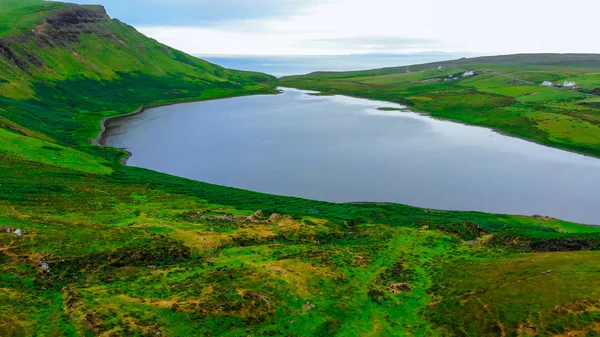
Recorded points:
89,247
505,93
63,66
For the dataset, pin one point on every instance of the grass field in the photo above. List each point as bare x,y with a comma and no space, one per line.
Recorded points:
504,94
89,247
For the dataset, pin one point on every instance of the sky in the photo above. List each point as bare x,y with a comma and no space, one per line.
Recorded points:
342,27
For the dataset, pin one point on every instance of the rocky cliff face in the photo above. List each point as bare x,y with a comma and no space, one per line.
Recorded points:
60,29
67,24
7,50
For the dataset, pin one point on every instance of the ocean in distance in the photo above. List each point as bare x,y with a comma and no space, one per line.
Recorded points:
298,65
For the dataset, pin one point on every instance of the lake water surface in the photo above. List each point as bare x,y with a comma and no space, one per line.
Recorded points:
343,149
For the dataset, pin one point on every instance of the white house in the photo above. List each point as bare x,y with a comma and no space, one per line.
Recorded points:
546,84
469,73
569,84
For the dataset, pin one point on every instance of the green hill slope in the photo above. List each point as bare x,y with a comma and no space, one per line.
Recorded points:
504,93
89,247
82,64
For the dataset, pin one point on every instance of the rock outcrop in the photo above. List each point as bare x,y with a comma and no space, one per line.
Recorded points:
62,28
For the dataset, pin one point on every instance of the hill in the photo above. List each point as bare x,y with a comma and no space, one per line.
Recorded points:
90,247
81,64
505,93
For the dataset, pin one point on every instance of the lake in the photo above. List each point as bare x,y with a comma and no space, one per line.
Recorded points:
344,149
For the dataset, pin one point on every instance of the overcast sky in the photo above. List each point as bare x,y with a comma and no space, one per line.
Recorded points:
338,27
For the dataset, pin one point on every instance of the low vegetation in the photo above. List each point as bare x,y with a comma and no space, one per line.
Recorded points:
90,247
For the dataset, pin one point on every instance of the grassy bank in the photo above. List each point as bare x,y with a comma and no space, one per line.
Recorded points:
90,247
504,93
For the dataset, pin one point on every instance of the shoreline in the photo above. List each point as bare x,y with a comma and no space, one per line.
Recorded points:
100,138
409,109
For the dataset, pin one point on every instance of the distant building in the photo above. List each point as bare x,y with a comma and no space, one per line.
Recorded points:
469,73
569,84
440,68
546,84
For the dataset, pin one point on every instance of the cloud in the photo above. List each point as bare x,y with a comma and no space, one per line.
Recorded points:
198,12
374,44
206,41
321,27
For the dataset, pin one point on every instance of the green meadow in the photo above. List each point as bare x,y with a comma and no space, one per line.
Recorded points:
89,247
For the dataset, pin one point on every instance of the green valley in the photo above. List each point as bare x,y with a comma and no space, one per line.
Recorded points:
90,247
